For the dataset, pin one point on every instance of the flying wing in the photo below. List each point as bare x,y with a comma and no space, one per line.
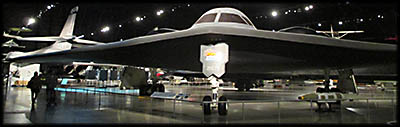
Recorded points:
250,50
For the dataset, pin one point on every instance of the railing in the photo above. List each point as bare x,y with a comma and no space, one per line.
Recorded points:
246,106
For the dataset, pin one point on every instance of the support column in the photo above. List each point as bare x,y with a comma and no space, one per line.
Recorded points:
214,87
326,77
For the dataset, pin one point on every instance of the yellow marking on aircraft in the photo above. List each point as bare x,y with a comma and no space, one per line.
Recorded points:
210,54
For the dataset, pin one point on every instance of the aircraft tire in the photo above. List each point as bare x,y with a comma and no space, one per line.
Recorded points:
320,90
335,90
223,106
161,88
207,106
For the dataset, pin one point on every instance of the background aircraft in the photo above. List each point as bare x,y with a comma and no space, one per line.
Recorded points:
61,42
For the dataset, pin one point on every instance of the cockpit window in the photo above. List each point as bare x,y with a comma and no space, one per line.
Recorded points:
248,21
226,17
207,18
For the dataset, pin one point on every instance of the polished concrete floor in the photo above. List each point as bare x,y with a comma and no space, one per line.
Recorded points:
257,106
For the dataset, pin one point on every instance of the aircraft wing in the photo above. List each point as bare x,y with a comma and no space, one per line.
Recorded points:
250,51
343,32
50,38
88,42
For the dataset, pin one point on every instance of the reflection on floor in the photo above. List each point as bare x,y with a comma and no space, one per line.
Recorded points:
99,107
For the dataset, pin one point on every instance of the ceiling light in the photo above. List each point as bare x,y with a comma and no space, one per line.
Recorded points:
306,8
274,13
31,21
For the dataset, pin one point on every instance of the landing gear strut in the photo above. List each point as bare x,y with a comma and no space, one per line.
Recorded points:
210,103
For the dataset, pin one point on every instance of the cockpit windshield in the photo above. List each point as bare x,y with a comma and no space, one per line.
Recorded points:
226,17
207,18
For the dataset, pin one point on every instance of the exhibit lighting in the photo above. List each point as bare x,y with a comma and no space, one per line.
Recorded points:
31,21
137,19
379,16
119,26
141,19
361,20
52,5
306,8
92,34
286,13
340,22
48,7
160,12
319,24
274,13
311,6
105,29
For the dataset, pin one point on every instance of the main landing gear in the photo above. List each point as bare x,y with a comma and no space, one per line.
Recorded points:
211,102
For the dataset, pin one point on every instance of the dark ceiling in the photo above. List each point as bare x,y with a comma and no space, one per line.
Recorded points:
92,17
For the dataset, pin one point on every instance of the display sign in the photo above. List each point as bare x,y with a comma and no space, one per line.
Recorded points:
214,58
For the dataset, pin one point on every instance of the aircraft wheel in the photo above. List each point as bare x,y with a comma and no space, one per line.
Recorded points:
207,106
320,90
338,102
146,90
222,106
335,90
161,88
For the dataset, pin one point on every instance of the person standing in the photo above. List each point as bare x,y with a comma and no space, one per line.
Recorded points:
51,83
35,85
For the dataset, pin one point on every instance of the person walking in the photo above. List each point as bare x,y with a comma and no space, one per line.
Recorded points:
35,85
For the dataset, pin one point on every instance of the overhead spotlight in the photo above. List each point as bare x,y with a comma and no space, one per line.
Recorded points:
105,29
294,11
319,24
306,8
361,20
52,5
289,11
160,12
31,21
119,26
92,34
188,5
340,22
286,13
137,19
379,16
311,6
48,7
382,16
172,9
141,19
274,13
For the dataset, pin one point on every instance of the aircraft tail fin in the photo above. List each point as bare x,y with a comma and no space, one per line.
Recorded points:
347,82
69,24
